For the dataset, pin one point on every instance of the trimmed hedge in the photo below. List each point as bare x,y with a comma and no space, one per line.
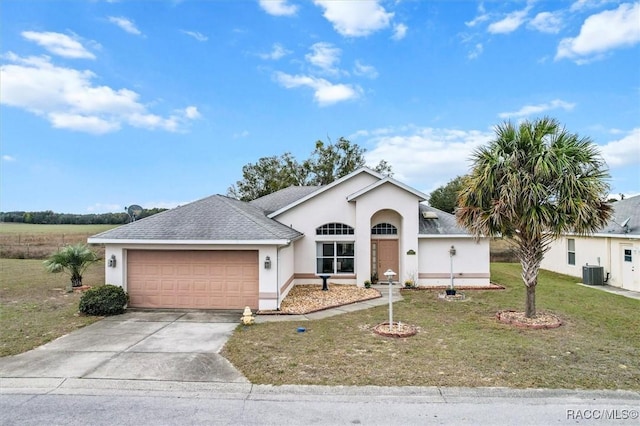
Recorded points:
104,300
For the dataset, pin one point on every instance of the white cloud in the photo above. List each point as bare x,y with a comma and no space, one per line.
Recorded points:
546,22
59,44
68,98
105,208
477,51
601,32
529,110
83,123
325,92
324,56
191,113
242,134
278,7
8,158
125,24
425,158
481,17
361,69
355,18
198,36
277,52
509,23
623,152
581,5
399,31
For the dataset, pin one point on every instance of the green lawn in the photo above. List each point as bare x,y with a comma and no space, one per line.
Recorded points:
27,228
35,308
459,343
28,241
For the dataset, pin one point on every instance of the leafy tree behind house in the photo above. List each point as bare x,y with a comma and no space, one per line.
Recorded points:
532,183
48,217
327,163
445,197
74,260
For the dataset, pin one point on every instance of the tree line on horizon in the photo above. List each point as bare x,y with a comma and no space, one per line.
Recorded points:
49,217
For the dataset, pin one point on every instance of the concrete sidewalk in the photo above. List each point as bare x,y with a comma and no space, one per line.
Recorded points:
615,290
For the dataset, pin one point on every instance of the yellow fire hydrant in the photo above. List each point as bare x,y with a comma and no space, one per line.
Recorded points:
247,317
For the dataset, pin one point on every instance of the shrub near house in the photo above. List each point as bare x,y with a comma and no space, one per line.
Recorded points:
104,301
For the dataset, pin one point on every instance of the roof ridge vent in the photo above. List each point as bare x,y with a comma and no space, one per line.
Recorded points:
429,215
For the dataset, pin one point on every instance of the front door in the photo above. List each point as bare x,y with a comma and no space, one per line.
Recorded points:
385,254
627,266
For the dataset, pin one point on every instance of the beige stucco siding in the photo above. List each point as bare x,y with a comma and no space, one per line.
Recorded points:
605,251
592,251
330,206
470,263
286,262
406,205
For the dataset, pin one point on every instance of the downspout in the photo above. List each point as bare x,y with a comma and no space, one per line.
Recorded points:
278,278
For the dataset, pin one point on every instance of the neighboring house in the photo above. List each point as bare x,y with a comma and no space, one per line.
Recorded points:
221,253
616,248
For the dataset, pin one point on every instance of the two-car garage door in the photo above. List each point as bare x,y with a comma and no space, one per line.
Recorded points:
221,279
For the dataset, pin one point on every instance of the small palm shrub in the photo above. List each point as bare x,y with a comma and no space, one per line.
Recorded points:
104,301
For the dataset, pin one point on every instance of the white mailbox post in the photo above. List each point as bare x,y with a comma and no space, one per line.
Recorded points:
390,274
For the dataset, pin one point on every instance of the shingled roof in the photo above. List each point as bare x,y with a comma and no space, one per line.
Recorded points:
279,199
629,208
215,218
441,223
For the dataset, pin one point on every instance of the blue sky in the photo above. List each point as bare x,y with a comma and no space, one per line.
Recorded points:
104,104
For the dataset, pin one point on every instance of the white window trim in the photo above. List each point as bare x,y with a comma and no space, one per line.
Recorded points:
569,251
335,256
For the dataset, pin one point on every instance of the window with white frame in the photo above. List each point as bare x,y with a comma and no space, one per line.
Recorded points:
571,251
384,229
334,229
335,257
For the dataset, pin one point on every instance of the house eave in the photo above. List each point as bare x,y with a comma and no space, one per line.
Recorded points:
324,189
275,242
421,197
448,236
604,235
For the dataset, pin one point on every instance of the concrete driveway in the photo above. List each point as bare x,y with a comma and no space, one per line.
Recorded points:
172,346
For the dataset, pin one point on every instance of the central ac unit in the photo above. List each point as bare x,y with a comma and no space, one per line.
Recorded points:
593,275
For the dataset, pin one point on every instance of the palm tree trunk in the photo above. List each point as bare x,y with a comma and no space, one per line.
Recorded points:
530,258
76,281
530,306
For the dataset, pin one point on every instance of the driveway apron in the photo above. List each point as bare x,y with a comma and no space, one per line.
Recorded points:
139,345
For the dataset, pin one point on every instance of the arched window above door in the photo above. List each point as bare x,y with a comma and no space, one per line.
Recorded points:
334,229
384,229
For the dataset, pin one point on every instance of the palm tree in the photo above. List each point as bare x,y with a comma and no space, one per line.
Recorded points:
532,183
74,260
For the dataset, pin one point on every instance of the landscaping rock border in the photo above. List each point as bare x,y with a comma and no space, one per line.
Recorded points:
398,329
542,321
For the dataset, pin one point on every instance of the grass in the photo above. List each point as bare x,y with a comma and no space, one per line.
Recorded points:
35,308
28,241
459,343
30,229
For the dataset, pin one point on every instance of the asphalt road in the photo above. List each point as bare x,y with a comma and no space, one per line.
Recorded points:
103,402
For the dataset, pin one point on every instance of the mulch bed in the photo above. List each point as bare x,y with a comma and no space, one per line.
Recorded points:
491,286
306,298
543,320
